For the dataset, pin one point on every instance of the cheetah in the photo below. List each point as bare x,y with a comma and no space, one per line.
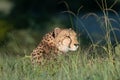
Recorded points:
58,41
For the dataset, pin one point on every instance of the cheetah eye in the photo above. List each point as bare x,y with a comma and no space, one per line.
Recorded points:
68,36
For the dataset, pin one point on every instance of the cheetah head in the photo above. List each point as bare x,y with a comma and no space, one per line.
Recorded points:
66,39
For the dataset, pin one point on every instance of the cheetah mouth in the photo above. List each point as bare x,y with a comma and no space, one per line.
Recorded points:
67,48
73,49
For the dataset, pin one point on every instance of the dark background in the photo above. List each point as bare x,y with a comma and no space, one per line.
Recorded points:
36,14
43,10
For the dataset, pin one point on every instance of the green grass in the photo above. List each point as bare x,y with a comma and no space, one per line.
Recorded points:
92,63
75,66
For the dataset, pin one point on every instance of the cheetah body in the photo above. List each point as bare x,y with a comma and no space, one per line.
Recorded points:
59,41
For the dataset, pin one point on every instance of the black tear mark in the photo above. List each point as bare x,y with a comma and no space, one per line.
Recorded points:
53,34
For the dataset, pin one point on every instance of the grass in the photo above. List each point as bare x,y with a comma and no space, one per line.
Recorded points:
75,66
92,63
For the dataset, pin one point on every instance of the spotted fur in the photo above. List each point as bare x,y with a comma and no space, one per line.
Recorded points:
59,41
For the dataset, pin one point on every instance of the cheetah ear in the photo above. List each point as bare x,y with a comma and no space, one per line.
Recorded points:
70,28
56,31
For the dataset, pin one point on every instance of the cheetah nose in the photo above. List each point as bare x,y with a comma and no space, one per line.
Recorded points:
76,44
